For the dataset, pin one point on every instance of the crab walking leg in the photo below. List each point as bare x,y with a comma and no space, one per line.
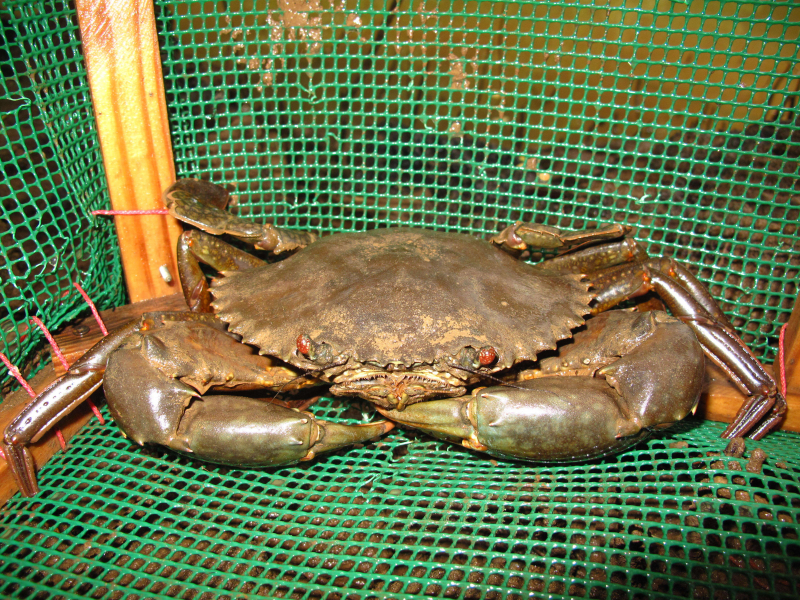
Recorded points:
765,407
521,236
196,246
603,392
54,403
626,281
612,258
202,204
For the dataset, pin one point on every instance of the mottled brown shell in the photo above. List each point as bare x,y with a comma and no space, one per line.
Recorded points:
402,295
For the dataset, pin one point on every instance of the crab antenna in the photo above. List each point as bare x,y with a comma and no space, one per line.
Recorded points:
309,372
486,376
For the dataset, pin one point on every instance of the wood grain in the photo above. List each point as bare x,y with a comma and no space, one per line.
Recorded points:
123,65
791,350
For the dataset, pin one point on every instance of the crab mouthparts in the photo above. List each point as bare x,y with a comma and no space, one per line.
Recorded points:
397,390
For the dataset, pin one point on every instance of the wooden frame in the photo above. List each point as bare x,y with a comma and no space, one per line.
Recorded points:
123,65
124,70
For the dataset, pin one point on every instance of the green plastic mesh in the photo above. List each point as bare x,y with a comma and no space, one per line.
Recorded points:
52,178
679,119
408,517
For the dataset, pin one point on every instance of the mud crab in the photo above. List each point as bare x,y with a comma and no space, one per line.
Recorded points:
411,320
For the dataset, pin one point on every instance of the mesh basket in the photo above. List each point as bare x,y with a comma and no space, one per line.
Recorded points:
679,119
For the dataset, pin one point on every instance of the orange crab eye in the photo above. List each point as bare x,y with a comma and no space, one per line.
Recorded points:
304,344
487,355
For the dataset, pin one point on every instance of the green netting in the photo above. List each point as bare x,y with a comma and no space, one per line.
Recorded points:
409,517
679,119
53,177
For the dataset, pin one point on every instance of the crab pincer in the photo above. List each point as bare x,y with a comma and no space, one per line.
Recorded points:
156,373
605,391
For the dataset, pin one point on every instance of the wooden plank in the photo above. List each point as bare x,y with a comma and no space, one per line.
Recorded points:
120,49
791,350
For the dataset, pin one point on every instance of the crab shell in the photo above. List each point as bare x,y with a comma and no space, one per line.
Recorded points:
402,298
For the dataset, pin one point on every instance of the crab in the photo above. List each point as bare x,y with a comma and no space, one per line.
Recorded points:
443,332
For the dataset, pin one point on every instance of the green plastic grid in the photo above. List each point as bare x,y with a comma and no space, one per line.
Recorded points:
283,115
686,142
53,178
409,517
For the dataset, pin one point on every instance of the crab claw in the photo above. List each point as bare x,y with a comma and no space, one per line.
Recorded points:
173,410
551,419
246,432
579,414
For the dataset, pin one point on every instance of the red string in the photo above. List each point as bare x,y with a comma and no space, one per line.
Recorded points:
782,359
65,364
56,350
151,211
93,307
18,376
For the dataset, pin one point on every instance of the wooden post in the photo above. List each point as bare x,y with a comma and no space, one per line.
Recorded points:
791,352
122,59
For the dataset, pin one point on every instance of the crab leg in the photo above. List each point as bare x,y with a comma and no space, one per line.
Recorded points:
521,235
621,270
685,297
54,403
196,246
202,204
628,281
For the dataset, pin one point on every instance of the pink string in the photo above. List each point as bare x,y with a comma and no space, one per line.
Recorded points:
782,359
151,211
65,364
18,376
93,307
56,350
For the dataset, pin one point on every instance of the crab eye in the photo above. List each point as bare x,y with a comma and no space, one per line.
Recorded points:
304,344
487,355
